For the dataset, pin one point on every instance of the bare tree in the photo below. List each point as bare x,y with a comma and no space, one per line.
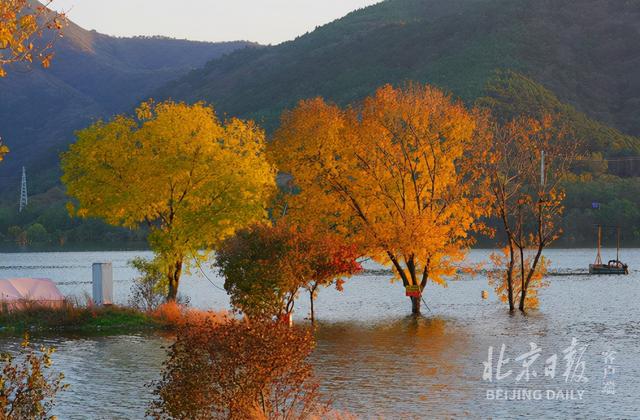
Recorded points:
530,159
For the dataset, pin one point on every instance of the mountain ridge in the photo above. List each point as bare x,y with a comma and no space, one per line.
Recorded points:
91,76
457,45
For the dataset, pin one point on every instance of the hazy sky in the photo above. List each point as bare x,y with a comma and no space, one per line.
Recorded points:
264,21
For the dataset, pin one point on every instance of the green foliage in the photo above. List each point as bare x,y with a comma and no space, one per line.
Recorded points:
36,233
454,44
619,206
61,230
148,290
509,94
258,278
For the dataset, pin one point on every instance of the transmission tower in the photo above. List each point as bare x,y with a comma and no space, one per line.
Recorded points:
24,200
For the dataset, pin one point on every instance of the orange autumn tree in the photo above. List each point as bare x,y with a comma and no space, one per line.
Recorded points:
528,198
22,22
319,256
239,370
399,174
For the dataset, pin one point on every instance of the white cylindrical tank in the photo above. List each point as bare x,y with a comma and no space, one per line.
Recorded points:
102,283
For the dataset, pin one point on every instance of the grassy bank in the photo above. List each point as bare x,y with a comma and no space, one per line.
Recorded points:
74,318
91,319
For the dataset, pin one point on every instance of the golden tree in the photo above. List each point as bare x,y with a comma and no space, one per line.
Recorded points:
530,159
3,150
22,23
192,179
399,175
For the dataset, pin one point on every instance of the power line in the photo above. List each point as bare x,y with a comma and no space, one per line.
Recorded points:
204,274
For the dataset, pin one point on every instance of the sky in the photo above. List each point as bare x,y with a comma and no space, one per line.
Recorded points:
263,21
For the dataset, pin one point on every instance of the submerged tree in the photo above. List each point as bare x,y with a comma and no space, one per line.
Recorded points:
266,265
21,27
399,174
258,276
239,370
530,159
192,179
326,259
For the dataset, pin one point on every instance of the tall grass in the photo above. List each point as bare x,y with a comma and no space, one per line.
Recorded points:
83,316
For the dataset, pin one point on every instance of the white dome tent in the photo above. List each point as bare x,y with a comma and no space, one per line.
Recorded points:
17,292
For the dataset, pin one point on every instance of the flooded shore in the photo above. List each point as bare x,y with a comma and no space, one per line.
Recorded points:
375,360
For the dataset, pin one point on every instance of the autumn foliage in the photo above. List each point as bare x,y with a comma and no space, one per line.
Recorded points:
3,150
238,370
398,174
528,201
266,265
192,179
499,278
27,388
21,27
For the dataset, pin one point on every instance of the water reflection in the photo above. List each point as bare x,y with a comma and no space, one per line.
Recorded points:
392,367
372,358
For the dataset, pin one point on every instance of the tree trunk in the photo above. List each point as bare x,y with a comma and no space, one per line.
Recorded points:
174,280
531,273
523,297
313,318
415,306
512,306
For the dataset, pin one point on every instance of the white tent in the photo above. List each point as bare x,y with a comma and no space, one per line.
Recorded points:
19,290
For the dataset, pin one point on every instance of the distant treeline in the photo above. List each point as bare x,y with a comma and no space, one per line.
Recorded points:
50,226
617,201
604,190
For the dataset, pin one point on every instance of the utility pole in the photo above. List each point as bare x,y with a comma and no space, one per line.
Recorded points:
542,168
24,199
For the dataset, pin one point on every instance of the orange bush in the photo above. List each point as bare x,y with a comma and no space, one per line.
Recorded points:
176,315
238,370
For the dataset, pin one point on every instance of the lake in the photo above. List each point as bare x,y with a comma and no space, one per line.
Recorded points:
376,361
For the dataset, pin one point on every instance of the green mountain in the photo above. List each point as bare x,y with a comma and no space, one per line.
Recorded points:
509,94
584,51
575,58
91,76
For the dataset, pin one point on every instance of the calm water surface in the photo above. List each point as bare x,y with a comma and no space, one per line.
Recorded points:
375,360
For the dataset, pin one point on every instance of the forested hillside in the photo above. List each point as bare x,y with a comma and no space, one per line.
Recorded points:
573,58
577,59
91,76
584,51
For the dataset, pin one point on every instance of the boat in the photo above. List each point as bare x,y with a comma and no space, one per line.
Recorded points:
613,266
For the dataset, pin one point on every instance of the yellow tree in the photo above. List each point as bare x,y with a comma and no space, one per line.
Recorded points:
192,179
3,150
21,23
399,174
530,159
